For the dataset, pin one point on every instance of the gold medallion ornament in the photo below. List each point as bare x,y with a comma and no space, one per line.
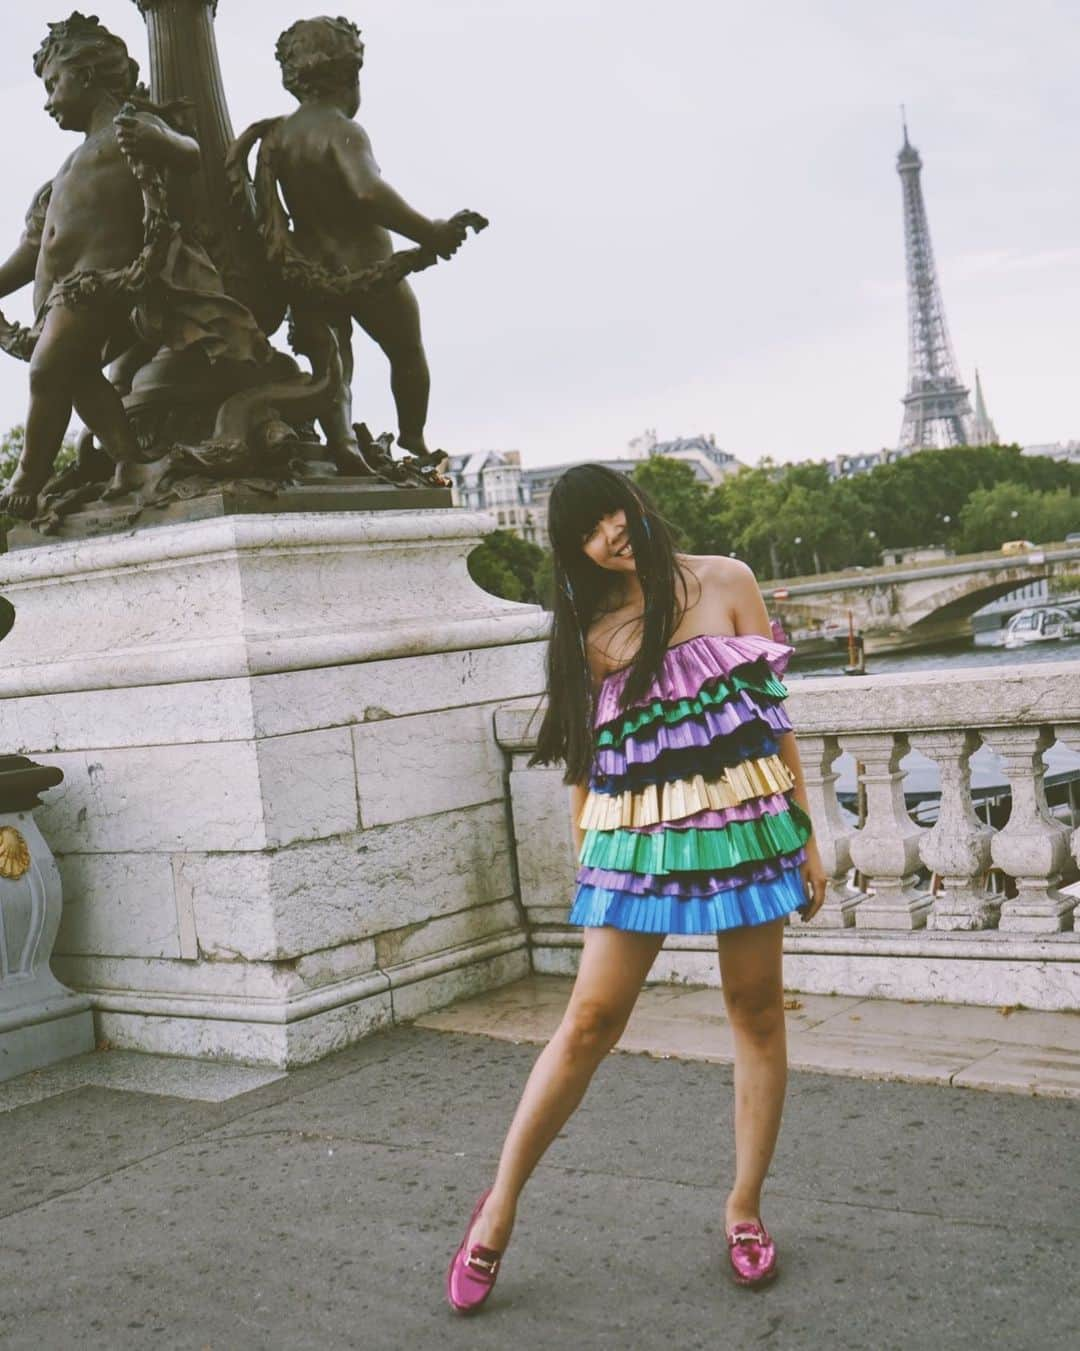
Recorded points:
14,854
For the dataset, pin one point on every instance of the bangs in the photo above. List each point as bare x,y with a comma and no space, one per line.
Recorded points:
581,498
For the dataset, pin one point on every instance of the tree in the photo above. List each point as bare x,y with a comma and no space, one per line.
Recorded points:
544,580
1014,511
507,566
679,497
11,448
760,513
740,517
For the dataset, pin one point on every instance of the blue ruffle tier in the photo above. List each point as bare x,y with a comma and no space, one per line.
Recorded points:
754,903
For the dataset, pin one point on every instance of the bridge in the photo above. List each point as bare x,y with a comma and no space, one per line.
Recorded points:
910,604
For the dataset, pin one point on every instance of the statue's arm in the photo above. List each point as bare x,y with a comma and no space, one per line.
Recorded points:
18,270
181,152
368,189
145,136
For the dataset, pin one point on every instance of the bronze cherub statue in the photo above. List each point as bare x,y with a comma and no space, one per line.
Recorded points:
113,273
325,214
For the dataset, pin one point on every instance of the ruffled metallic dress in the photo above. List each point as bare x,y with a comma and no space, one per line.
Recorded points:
689,824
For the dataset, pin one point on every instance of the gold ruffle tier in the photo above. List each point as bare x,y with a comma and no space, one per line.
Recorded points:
671,801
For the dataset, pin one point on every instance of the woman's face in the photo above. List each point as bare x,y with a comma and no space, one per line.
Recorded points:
609,544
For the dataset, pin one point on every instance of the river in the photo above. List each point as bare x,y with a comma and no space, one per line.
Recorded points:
979,652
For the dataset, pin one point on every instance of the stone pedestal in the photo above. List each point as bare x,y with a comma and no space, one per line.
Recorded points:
234,499
40,1021
283,819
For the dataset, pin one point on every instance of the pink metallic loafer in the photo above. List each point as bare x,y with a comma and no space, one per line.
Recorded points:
752,1253
470,1277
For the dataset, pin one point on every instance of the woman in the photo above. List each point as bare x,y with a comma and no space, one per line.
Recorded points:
689,815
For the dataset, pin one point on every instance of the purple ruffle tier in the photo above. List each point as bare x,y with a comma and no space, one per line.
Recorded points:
686,666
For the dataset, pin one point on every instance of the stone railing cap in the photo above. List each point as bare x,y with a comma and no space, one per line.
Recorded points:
968,697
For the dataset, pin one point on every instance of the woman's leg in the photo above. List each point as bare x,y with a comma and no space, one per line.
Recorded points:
753,987
613,967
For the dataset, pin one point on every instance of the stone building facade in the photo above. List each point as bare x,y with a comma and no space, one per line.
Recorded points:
494,481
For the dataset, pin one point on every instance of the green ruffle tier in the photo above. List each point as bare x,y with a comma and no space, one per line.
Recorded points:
715,693
694,850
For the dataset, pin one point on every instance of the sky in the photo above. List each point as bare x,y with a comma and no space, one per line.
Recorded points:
695,211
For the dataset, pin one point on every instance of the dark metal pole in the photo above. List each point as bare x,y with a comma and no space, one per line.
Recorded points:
184,64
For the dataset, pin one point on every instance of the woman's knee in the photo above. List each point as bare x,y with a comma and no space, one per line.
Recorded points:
755,1012
590,1029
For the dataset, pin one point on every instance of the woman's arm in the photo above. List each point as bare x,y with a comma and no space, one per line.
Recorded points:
751,616
578,793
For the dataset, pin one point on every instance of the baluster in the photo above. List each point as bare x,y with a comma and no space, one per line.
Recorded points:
957,848
1070,736
886,850
831,832
1032,847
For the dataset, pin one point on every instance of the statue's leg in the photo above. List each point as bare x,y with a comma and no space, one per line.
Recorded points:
101,407
70,344
311,333
392,319
128,363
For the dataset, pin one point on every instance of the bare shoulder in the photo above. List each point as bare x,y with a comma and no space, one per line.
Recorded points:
728,596
735,573
719,573
718,567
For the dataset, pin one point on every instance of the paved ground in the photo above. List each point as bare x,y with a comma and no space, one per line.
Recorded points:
1007,1050
319,1211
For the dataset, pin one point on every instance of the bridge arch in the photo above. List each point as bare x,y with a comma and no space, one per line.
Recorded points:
962,596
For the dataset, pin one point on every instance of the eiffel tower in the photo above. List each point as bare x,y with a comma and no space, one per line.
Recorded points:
936,407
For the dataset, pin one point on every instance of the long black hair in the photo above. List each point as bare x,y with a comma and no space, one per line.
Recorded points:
580,498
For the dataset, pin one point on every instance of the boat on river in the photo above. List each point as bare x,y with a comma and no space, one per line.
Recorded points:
1042,624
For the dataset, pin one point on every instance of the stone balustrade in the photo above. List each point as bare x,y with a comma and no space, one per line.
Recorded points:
964,910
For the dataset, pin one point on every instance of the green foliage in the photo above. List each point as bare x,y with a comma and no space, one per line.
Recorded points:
544,581
507,566
11,447
678,496
1015,511
1065,584
787,520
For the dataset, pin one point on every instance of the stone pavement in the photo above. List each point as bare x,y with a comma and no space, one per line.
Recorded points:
205,1207
1010,1050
